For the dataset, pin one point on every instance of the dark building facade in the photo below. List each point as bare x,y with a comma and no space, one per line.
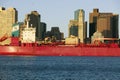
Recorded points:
85,30
74,30
115,25
55,32
42,30
106,23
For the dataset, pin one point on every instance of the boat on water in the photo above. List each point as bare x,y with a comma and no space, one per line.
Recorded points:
33,49
59,51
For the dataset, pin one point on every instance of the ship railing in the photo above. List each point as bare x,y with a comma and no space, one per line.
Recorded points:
102,45
29,44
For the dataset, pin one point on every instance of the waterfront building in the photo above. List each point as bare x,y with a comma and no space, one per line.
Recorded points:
8,17
62,35
55,32
97,36
78,27
72,40
42,30
106,23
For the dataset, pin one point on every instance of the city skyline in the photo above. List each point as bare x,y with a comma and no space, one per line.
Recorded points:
58,13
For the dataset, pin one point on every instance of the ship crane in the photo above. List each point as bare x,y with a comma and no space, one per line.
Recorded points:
4,37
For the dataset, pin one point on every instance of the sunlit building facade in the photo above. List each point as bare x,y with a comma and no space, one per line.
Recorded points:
106,23
78,27
8,17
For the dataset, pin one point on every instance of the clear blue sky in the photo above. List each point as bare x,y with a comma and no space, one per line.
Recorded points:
59,12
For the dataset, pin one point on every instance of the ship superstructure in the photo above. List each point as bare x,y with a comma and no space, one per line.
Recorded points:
28,34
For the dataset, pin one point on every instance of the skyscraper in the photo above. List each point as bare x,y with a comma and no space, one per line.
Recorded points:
43,30
115,25
93,21
35,17
7,19
76,14
81,25
106,23
79,21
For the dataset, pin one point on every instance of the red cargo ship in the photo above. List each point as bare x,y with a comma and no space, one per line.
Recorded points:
59,51
33,49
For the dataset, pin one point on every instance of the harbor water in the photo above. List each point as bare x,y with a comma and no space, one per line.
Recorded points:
59,68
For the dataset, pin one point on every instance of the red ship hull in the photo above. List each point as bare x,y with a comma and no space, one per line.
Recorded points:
59,51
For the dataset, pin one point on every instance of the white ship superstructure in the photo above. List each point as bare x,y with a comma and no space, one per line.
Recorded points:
28,34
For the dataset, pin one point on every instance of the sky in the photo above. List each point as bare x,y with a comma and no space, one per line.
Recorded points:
57,13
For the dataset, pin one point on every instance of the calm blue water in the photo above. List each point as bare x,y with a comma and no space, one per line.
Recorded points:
59,68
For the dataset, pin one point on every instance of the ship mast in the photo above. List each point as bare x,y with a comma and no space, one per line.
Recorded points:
28,22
